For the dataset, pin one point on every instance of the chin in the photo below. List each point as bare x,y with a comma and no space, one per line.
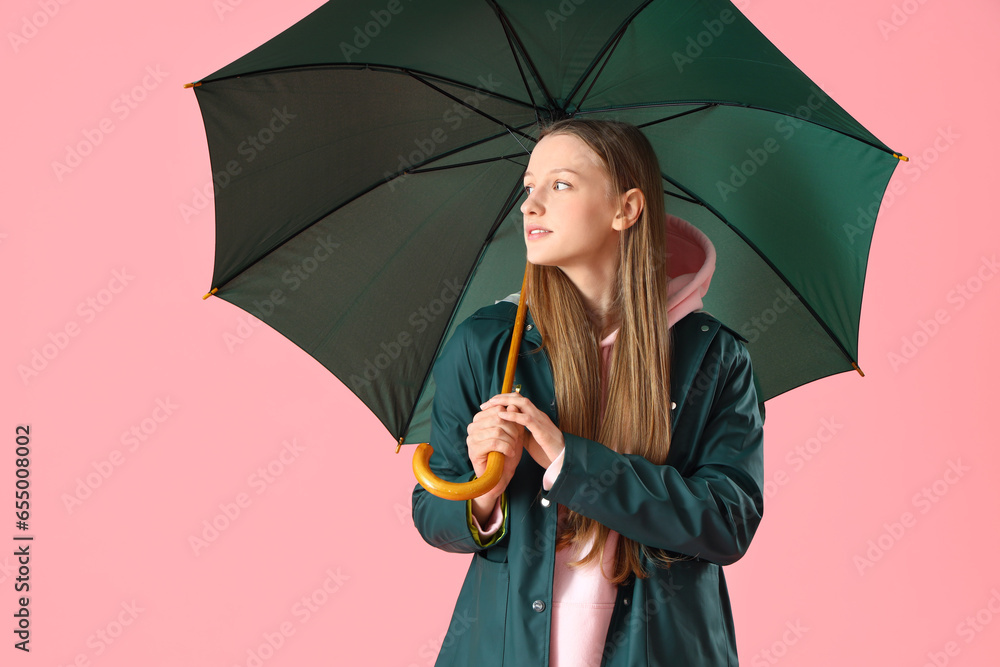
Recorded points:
539,259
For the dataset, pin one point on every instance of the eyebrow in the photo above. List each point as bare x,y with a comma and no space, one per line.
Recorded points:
552,171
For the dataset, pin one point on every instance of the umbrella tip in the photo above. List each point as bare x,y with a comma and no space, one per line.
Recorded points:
399,444
214,290
857,369
192,85
900,156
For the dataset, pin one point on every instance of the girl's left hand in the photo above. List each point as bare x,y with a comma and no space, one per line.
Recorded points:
545,441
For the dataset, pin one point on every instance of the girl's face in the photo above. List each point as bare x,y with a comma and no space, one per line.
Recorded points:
568,215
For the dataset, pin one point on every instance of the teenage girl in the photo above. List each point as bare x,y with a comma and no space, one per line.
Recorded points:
633,461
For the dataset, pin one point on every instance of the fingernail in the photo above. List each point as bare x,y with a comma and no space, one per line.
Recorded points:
483,406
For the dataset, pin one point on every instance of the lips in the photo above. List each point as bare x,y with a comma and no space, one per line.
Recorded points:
536,232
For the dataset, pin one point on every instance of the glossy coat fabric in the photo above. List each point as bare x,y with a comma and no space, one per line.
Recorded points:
704,504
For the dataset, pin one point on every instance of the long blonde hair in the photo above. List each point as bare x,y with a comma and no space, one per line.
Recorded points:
637,415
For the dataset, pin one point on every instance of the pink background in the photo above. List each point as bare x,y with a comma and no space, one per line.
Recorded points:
340,504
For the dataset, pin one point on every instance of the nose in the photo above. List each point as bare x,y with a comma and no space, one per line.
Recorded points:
531,203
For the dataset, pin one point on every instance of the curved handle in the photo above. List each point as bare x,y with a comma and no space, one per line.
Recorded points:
494,460
455,490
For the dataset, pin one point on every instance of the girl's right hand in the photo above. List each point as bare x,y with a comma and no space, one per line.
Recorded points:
489,433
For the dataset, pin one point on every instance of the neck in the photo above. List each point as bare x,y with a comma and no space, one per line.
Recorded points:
596,285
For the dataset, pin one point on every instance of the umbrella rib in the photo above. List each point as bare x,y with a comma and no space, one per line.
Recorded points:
661,120
683,198
608,48
677,115
618,38
517,61
509,30
417,169
512,198
470,163
373,67
769,263
722,103
468,106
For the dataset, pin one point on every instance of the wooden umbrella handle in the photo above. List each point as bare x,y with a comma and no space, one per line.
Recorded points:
455,490
494,461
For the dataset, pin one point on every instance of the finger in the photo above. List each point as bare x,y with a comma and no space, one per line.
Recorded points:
512,398
522,418
485,441
488,415
481,449
485,436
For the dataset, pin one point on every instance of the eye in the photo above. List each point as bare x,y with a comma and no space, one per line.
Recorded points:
528,188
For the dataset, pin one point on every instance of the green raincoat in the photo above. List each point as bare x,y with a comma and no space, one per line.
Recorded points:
704,504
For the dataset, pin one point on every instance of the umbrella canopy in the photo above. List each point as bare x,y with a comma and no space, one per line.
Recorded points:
368,168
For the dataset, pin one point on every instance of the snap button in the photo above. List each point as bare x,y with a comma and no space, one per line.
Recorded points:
538,606
528,328
546,502
673,406
626,601
704,327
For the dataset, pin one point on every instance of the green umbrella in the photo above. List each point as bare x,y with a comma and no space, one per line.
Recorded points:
368,167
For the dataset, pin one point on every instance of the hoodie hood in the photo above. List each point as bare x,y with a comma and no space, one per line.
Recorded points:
690,266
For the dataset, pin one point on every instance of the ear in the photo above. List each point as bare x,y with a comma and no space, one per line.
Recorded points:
632,204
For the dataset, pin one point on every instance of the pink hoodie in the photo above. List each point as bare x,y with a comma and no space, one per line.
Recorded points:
583,599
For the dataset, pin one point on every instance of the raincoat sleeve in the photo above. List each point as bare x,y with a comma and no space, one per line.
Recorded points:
712,510
443,523
487,537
